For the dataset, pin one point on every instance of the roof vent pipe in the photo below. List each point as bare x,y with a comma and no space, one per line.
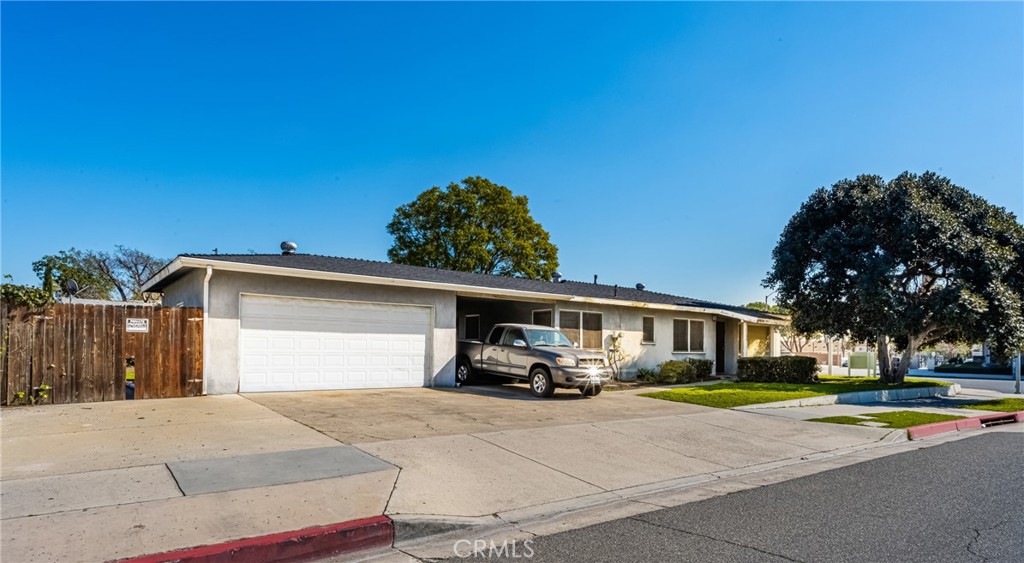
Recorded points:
556,277
288,247
595,278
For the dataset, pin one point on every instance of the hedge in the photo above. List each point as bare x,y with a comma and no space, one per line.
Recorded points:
974,369
684,371
785,369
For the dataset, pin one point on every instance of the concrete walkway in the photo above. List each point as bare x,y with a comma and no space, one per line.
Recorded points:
105,481
951,405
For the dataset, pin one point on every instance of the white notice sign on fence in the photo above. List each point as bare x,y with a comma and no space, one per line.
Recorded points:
136,325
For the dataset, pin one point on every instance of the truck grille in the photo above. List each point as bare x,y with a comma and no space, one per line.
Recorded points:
587,362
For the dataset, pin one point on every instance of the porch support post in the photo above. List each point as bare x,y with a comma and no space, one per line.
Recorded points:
743,339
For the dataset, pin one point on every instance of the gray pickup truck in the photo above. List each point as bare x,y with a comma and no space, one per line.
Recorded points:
540,355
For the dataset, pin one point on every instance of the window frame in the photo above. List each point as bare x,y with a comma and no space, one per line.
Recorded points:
533,316
578,313
465,326
643,335
689,329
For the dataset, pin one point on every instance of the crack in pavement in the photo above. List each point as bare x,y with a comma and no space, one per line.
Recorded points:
977,536
660,446
752,548
515,453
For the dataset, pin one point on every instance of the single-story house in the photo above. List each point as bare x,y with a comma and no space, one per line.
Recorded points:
285,322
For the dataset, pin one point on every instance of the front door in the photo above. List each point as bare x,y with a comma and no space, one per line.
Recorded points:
719,347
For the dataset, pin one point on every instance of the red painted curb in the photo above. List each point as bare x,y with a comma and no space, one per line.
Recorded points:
973,423
916,432
299,545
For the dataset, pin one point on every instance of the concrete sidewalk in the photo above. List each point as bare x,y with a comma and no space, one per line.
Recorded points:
106,481
950,405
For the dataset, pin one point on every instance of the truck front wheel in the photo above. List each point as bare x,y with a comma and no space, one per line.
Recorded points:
541,384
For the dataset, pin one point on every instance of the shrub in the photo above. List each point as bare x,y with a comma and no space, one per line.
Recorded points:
785,369
703,367
679,371
669,374
649,375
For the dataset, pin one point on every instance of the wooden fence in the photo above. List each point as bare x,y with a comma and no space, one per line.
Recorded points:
75,353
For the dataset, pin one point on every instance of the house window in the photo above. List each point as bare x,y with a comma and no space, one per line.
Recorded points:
648,337
569,324
471,327
542,318
593,337
687,336
583,328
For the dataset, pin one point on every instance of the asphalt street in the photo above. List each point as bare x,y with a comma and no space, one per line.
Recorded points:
960,501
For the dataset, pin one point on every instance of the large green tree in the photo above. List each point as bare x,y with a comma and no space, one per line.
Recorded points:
99,275
902,263
477,226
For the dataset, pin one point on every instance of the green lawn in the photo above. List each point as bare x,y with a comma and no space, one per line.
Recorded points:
893,419
1000,405
728,395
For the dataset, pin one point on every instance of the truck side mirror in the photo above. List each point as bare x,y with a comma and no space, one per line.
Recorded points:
519,343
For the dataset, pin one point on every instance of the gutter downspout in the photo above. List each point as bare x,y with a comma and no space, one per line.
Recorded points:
206,327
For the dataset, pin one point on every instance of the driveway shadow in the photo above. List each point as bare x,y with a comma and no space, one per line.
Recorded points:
514,392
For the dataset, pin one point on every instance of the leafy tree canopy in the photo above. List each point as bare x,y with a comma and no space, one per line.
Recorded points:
17,295
477,226
911,261
762,306
99,275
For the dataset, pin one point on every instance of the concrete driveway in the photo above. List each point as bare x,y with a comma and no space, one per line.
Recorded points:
483,450
375,415
105,481
134,477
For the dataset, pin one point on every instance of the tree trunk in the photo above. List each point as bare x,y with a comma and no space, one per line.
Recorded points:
885,374
912,344
900,373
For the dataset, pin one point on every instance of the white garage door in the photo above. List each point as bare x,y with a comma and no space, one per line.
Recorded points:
305,344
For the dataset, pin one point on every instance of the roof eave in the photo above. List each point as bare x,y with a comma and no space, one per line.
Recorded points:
193,262
165,272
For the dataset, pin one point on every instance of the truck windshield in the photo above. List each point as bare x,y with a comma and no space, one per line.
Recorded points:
539,337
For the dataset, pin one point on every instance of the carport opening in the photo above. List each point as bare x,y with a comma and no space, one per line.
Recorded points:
476,316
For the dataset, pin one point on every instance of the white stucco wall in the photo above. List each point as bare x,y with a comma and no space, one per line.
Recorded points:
222,326
186,291
629,321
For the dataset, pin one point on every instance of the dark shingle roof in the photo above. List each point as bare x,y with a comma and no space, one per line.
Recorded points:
372,268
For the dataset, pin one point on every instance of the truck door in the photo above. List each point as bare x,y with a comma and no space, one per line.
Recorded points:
517,358
490,350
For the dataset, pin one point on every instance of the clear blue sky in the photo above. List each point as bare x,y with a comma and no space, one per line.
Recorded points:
659,143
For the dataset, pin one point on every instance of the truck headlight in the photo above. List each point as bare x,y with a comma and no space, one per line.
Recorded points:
567,362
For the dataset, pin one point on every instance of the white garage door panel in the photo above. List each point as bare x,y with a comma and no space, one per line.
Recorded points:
303,344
